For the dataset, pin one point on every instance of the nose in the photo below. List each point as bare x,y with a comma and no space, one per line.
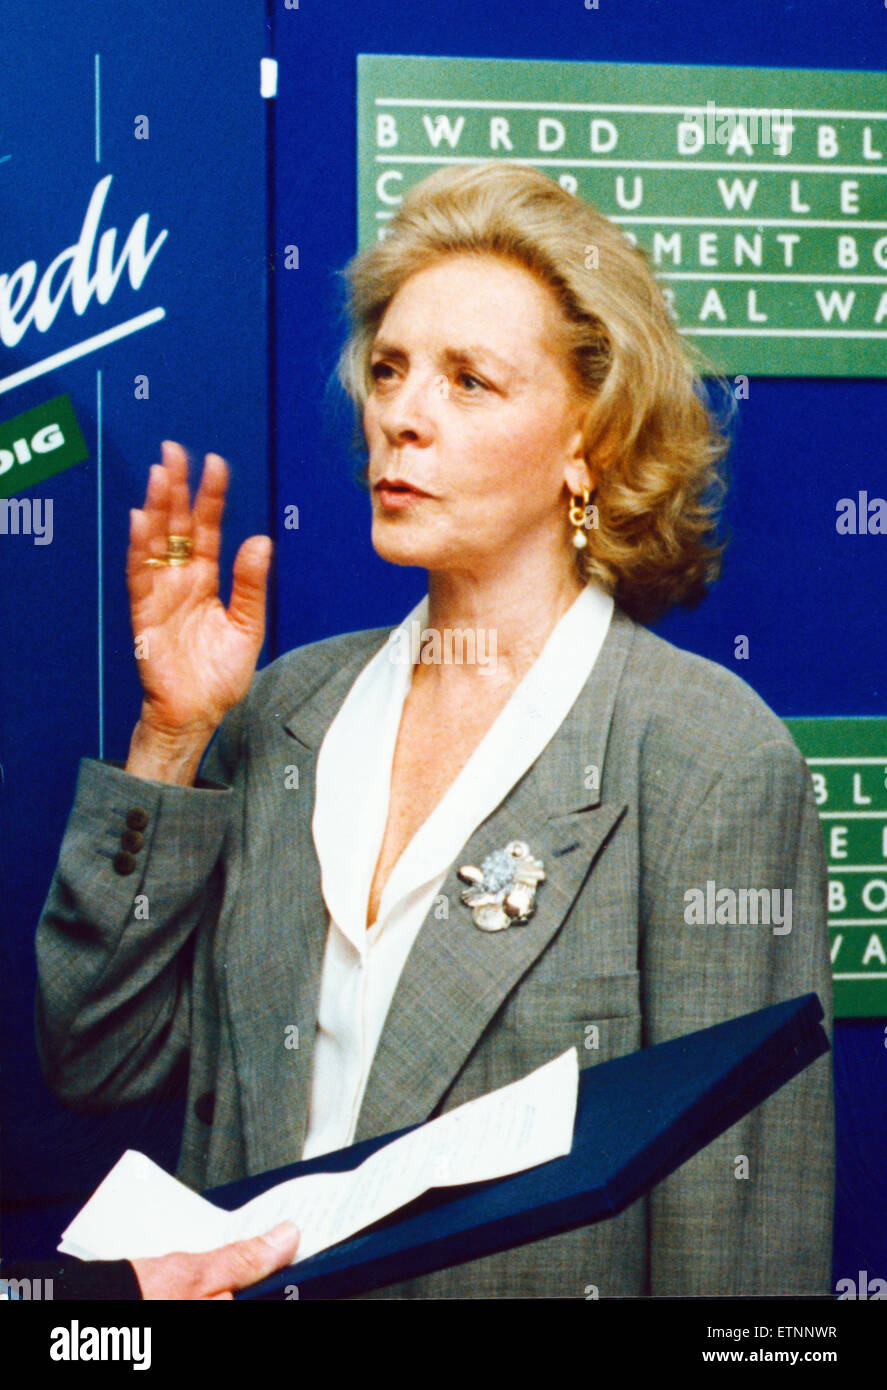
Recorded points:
406,414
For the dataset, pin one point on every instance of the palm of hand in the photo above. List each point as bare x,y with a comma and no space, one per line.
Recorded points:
196,657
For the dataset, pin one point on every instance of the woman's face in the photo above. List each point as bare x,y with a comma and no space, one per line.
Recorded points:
472,404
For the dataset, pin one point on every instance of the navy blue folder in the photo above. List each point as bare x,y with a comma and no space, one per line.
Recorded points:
638,1119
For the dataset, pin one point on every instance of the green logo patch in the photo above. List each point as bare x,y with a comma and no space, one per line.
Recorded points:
38,444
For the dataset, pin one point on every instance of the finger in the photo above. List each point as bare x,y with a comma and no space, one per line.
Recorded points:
213,1297
247,607
156,510
139,576
148,491
175,464
209,505
245,1262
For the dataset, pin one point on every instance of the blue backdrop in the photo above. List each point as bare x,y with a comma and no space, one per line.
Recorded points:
75,80
808,600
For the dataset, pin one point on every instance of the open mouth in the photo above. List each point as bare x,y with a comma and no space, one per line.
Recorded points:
393,491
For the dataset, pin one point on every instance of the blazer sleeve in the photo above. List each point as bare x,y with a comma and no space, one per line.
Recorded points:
113,1005
752,1213
73,1280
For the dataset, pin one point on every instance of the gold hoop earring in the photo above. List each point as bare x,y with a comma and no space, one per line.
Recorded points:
577,518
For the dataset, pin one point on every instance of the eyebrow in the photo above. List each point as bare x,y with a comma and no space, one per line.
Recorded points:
454,356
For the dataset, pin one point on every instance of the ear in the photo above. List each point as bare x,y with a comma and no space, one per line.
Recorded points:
579,476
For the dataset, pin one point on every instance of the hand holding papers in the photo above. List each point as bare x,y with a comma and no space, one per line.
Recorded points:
139,1210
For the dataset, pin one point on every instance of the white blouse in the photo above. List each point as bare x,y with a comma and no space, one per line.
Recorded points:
362,967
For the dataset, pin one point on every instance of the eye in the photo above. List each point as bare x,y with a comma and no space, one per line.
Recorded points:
381,371
473,384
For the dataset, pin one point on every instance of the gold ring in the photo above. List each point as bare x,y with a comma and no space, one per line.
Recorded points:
178,551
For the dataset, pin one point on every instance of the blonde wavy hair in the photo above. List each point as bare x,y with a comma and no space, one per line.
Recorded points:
653,440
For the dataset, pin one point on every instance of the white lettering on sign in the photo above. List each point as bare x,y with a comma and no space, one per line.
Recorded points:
83,285
43,442
27,301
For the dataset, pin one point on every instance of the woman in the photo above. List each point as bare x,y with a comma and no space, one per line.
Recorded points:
293,930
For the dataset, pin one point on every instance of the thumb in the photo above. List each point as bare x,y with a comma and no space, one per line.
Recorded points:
247,607
245,1262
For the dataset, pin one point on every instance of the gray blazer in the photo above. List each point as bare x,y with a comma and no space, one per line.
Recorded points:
186,959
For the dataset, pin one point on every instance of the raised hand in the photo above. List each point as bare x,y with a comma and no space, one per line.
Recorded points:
195,657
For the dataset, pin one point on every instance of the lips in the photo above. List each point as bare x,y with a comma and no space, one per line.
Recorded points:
400,485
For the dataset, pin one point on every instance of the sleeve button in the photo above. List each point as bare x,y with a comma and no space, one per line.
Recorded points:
132,840
124,862
205,1106
136,818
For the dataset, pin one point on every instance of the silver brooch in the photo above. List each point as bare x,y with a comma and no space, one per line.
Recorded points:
503,889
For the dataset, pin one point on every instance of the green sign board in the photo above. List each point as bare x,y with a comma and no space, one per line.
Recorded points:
39,443
848,762
760,193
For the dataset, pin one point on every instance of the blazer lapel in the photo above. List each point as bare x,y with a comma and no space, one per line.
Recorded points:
456,976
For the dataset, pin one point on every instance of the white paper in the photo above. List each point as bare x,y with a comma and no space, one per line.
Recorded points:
139,1210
